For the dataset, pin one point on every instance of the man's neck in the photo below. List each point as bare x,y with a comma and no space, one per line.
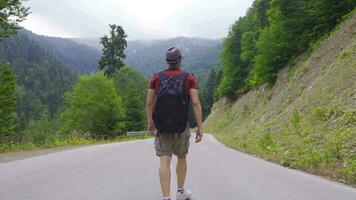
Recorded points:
173,68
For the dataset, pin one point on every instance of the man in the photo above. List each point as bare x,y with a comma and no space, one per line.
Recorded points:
168,97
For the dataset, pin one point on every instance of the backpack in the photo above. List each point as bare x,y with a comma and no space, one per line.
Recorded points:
171,110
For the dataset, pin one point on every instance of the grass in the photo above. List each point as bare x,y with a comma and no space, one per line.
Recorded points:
308,123
72,141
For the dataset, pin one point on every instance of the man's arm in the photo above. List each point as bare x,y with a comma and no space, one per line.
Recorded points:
149,109
197,113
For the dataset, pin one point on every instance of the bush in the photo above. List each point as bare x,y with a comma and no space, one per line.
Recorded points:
95,107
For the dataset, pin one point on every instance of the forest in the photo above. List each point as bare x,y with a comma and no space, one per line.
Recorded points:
269,36
48,97
51,88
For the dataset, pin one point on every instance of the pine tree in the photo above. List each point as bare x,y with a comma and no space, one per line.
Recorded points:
207,94
134,112
131,87
113,51
11,14
7,100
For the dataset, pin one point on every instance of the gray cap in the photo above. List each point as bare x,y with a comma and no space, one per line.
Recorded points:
173,55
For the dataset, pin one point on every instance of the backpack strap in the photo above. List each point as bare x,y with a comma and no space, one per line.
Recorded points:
184,76
162,76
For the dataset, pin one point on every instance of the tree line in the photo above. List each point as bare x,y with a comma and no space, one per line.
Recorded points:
270,35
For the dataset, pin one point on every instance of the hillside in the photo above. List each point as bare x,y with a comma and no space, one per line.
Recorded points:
80,58
307,120
200,55
42,79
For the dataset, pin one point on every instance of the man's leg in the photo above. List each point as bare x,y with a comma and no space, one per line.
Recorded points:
181,170
165,174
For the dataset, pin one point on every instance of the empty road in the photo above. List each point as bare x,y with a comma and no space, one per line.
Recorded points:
128,171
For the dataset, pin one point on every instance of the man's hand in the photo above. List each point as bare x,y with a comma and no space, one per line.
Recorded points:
199,135
150,126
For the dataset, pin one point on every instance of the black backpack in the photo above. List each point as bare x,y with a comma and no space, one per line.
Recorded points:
171,110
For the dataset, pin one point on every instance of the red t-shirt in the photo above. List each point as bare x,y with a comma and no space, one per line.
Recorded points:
189,83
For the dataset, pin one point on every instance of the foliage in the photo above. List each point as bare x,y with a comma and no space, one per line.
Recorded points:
7,100
131,86
41,79
78,57
239,50
134,109
129,76
93,106
113,51
270,35
73,139
12,12
40,132
207,92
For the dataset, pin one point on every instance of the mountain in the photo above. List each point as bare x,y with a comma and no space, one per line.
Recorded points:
307,120
200,55
41,78
78,57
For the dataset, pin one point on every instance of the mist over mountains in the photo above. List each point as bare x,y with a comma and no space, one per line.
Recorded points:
82,55
199,55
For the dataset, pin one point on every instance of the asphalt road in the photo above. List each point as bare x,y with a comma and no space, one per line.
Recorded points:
128,171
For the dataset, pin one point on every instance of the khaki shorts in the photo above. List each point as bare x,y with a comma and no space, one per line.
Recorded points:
168,144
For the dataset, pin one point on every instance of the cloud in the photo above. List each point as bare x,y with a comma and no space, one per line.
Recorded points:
141,19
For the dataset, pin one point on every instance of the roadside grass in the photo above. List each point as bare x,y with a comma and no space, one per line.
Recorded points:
70,141
308,122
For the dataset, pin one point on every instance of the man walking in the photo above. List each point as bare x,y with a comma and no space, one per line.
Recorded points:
169,95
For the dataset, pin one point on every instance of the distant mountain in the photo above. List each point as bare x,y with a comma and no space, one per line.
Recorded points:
79,57
91,42
200,55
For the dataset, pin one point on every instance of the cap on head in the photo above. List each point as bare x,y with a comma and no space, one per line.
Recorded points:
173,55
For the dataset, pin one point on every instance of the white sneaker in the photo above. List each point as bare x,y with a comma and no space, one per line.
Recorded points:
185,195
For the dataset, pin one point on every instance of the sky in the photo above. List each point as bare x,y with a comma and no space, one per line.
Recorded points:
141,19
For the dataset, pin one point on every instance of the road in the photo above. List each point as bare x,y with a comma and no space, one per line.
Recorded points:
128,171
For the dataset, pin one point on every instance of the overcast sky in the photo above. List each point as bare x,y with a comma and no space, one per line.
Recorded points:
141,19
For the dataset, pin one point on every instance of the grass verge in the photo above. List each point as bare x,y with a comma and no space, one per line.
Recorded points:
73,141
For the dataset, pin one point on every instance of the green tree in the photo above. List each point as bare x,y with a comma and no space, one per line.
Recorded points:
41,131
94,106
231,63
131,86
127,76
113,51
271,34
12,12
135,119
207,93
294,26
42,80
7,100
